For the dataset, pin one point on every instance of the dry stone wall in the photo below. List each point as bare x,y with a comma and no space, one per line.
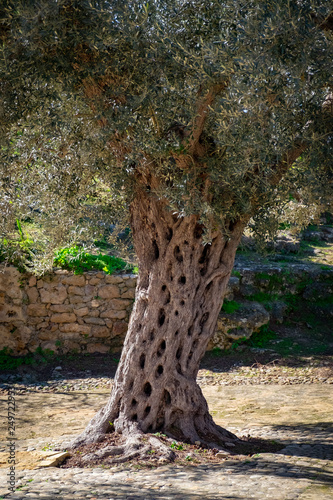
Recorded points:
64,312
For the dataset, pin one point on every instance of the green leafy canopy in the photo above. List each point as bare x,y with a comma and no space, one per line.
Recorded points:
224,109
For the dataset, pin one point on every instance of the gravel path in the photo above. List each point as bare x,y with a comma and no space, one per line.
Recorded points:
267,374
268,477
302,470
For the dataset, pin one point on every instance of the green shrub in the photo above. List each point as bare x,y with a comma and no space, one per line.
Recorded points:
230,306
10,362
77,260
19,250
261,337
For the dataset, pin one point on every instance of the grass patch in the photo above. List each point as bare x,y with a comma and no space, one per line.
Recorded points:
77,260
9,362
262,337
263,297
275,281
230,306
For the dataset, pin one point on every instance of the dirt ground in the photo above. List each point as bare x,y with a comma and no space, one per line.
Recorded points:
44,421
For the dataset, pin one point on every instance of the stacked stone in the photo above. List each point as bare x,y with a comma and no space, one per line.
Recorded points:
14,333
65,312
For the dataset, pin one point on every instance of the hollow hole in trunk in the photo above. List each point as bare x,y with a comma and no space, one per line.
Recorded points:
198,231
147,411
203,271
164,287
189,359
179,352
182,280
167,397
159,424
134,402
161,348
177,254
161,317
182,302
194,345
190,331
204,319
139,327
156,250
176,313
169,234
185,242
142,361
179,369
147,389
169,271
167,298
176,333
130,385
159,370
204,254
209,286
134,417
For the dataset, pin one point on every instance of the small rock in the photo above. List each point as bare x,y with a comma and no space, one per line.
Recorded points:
58,368
222,453
54,459
229,445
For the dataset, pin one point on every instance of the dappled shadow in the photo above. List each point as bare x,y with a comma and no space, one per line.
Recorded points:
263,466
309,248
231,479
225,362
39,414
308,440
121,489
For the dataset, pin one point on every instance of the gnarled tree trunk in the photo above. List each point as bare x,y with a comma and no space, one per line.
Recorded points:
178,298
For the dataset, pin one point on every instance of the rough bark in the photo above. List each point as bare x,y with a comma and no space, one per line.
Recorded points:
178,298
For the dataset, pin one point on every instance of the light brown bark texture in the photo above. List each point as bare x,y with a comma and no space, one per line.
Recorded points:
178,298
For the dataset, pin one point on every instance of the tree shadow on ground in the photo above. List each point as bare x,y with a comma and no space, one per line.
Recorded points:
267,466
123,490
308,440
232,479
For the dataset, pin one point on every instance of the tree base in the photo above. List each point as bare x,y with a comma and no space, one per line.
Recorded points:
133,444
153,450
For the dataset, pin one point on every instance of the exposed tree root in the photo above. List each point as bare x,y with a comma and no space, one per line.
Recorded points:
152,450
130,443
138,446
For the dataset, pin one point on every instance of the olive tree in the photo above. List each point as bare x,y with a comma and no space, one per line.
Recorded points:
196,117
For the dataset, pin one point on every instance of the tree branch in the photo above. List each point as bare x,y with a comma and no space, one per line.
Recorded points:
202,113
324,23
288,159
